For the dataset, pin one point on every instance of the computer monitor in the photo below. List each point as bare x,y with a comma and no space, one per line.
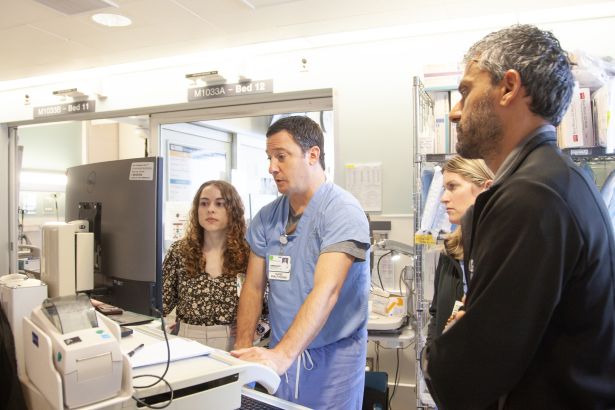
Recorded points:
122,200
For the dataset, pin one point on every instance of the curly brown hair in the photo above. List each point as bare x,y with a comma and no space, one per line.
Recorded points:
236,251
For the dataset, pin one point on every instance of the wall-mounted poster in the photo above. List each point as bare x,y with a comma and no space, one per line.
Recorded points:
189,167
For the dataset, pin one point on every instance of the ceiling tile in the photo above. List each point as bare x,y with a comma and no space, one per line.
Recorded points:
36,40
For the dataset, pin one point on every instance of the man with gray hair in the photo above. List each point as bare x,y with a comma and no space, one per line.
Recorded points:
538,329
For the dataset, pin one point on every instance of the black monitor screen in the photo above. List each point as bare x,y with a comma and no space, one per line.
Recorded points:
122,200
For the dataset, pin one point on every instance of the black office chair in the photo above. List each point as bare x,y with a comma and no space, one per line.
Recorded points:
376,393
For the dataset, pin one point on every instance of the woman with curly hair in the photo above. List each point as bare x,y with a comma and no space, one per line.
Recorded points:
201,272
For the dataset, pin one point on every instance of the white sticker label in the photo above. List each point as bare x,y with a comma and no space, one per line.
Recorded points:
141,171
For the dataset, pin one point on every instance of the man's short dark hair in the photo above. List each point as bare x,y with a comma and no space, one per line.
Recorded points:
305,131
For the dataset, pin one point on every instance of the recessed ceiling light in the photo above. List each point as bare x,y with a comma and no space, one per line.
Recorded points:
111,20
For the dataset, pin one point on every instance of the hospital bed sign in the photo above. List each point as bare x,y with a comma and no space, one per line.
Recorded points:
77,107
230,90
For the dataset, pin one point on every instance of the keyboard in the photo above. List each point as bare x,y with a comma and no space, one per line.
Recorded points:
128,318
248,403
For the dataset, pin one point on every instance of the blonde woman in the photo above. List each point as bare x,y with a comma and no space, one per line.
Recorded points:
201,272
464,180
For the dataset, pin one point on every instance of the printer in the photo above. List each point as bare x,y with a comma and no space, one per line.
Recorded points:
73,356
75,362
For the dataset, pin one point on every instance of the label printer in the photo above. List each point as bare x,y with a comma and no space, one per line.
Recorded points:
73,354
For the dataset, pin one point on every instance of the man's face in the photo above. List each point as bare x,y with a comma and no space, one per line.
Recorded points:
479,129
288,165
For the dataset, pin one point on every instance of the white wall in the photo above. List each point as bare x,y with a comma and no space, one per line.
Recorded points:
131,140
248,125
102,142
52,147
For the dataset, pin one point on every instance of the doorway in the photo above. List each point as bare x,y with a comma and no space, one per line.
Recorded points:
233,138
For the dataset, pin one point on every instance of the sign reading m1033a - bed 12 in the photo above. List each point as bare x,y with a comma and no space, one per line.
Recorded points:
230,90
77,107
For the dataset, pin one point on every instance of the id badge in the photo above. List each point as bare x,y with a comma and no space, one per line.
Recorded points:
279,267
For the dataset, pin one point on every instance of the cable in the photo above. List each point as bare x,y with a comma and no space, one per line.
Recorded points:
397,374
396,380
377,349
410,291
159,378
378,267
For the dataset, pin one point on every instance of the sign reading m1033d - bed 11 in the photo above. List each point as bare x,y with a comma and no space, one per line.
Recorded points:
77,107
230,90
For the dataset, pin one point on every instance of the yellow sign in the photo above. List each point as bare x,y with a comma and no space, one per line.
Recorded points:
424,239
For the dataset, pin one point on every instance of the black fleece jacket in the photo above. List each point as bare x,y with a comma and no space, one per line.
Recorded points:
539,328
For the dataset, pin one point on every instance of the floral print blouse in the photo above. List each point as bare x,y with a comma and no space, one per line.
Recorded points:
200,300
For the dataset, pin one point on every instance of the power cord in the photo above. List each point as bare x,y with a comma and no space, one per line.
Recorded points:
159,378
410,289
397,374
378,267
377,349
396,380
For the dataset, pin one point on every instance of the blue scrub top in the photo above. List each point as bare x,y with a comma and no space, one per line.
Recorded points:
332,216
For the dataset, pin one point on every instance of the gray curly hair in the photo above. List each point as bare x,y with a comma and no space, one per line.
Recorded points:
537,56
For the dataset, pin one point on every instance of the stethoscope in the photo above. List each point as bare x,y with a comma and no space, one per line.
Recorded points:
284,235
283,242
284,238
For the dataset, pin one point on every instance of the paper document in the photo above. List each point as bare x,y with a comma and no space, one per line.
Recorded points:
156,353
364,181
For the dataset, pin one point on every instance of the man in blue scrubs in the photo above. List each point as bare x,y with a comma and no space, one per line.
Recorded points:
311,245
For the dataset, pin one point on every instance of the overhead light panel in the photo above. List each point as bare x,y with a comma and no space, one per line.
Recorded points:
71,7
111,20
69,92
79,95
207,77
